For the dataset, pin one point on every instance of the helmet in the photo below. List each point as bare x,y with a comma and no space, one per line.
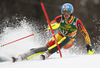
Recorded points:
67,8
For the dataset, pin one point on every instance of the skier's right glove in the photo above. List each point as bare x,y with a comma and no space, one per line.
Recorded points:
90,50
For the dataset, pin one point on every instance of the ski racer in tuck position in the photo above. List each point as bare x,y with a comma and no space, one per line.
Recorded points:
69,25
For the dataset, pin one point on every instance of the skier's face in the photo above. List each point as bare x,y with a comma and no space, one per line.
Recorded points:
66,16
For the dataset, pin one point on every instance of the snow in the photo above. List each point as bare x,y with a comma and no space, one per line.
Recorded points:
54,61
65,62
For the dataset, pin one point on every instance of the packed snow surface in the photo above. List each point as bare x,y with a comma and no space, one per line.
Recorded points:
79,61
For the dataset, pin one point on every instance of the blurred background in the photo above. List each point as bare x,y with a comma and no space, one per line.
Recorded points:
88,11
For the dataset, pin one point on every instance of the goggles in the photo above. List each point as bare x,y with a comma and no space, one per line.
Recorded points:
66,12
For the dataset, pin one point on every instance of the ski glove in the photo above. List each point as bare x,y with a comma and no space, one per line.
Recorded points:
90,50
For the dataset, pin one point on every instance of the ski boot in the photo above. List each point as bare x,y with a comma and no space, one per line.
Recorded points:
14,59
45,55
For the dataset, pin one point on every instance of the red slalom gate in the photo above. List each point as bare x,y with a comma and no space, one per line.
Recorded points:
18,40
23,37
51,27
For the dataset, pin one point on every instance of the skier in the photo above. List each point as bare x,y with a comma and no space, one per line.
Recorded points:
69,25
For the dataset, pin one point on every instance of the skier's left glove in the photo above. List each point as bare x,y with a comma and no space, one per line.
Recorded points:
90,50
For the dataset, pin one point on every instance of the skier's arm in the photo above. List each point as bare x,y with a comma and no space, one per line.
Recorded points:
56,20
85,34
83,31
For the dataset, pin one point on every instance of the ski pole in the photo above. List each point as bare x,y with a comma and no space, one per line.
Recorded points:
43,8
54,26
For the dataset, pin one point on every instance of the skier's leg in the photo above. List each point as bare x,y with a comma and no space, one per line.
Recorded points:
31,53
52,40
37,51
69,44
54,48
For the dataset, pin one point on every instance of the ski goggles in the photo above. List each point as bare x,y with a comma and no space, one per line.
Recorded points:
66,12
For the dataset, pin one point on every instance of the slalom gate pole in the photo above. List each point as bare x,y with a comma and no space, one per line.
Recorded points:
54,26
22,38
17,40
43,8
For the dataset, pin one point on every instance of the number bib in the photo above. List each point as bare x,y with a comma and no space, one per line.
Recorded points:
66,28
